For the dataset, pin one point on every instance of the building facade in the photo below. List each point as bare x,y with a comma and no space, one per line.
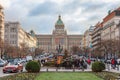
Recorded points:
96,36
106,35
110,29
87,38
1,24
58,39
16,36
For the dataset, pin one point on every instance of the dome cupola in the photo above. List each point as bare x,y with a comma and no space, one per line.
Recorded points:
59,21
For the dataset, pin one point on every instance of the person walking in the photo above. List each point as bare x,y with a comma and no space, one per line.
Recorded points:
113,63
89,61
81,63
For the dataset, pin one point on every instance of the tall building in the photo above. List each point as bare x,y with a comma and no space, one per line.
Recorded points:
83,42
106,35
15,36
1,24
59,38
96,36
87,38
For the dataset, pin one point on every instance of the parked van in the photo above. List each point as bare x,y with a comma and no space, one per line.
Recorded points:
29,58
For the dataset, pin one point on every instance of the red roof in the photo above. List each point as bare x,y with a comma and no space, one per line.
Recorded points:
110,16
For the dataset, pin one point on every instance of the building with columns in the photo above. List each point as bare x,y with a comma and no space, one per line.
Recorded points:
58,38
1,24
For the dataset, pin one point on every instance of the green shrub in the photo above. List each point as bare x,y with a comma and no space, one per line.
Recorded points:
20,76
110,77
98,66
32,66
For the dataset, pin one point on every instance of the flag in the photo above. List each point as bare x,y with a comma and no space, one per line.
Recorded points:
57,40
90,45
62,40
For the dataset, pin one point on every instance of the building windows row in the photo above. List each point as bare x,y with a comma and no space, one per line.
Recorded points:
44,43
6,36
13,42
109,25
13,36
6,30
13,30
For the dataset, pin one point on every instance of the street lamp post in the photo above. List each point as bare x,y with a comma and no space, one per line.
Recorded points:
48,47
59,49
119,35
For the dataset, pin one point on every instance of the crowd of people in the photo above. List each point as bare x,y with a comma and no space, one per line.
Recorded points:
75,63
79,63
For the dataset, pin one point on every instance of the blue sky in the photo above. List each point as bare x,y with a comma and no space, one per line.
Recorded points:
41,15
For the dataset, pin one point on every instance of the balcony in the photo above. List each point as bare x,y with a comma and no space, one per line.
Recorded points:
1,26
96,35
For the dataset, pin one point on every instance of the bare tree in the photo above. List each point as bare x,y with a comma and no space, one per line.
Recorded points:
38,51
97,53
66,54
117,47
7,49
108,47
24,50
1,47
86,51
11,51
75,49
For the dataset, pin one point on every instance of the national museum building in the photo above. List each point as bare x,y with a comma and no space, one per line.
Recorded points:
59,39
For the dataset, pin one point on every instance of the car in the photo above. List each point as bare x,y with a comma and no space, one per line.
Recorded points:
93,59
23,62
118,61
2,63
16,60
108,61
102,60
13,67
10,60
29,58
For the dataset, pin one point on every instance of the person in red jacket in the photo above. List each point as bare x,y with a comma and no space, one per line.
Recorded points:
89,61
113,63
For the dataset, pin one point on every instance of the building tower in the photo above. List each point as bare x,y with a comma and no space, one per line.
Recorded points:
1,31
1,24
59,35
59,26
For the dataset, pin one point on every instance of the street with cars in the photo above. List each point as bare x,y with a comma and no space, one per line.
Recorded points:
17,65
12,66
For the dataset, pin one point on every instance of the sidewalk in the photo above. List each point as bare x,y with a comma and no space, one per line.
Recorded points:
113,70
53,69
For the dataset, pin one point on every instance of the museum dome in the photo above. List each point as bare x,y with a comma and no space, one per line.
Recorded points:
59,21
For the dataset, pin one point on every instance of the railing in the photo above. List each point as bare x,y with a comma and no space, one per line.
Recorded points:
63,70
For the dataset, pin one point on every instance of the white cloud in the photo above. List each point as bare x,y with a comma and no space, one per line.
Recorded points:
61,1
5,3
78,14
108,1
